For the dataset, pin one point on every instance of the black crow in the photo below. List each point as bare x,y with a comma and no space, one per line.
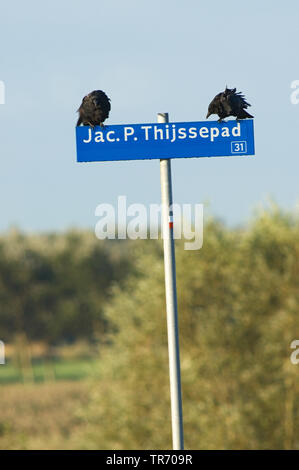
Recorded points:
229,103
94,109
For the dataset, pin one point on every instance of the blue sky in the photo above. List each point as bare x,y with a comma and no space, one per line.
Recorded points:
150,57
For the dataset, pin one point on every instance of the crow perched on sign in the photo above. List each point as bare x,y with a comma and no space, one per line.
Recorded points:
229,103
94,109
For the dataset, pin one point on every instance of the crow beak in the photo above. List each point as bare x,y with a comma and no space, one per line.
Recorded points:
209,114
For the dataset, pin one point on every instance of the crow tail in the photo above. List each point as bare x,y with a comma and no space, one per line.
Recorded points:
79,121
243,115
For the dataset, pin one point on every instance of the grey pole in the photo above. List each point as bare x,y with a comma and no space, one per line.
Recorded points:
171,301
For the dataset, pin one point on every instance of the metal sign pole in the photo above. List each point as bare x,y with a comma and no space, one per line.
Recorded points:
171,301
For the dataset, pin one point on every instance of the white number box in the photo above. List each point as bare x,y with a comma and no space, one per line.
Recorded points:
239,146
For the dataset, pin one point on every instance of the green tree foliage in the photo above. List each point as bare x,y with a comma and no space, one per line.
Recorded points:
238,313
53,287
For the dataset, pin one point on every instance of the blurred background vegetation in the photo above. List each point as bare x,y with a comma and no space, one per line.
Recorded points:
84,326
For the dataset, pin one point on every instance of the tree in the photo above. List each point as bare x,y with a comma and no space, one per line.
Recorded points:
238,304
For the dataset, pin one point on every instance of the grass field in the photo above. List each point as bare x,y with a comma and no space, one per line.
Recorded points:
42,416
48,371
41,397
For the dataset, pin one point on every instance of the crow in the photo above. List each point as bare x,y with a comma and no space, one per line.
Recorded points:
94,109
229,103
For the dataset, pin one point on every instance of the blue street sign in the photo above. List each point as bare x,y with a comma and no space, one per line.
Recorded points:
172,140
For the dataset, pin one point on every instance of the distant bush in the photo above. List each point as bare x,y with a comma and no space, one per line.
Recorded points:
53,287
238,313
